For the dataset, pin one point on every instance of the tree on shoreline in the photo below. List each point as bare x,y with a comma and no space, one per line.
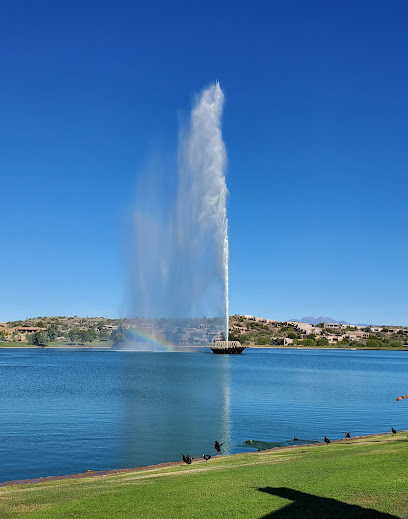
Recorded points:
77,335
74,335
38,338
52,332
118,336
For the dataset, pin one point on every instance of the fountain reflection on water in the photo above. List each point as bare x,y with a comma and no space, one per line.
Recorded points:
175,405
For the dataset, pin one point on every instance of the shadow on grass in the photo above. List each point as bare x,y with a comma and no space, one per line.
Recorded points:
308,506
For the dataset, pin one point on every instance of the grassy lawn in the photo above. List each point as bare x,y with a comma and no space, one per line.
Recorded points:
364,478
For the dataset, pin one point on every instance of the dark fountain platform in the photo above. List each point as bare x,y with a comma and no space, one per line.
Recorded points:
227,347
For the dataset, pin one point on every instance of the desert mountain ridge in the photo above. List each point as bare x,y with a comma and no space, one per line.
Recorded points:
317,320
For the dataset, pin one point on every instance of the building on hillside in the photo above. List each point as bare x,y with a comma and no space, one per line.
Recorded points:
333,339
241,329
356,336
338,325
305,328
109,327
20,333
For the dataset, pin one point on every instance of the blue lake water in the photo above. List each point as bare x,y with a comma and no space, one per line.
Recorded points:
66,411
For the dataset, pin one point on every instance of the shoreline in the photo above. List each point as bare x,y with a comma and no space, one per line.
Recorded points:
101,473
353,348
96,348
81,347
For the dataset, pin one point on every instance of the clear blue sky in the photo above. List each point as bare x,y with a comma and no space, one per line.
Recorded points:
315,126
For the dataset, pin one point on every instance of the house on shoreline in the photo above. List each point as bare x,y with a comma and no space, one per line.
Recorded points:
19,333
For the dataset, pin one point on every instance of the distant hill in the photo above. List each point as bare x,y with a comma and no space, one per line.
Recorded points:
317,320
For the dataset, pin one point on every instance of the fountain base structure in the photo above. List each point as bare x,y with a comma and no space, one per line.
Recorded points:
227,347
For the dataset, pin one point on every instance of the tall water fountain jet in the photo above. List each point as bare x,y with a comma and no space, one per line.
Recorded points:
203,191
180,258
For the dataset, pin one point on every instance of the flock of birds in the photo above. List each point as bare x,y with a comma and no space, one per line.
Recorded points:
347,434
217,446
189,459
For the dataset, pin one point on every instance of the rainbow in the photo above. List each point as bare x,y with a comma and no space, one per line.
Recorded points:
142,340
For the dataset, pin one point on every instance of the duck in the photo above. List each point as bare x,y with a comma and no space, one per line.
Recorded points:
218,445
187,459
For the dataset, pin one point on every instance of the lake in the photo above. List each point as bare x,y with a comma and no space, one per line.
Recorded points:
65,411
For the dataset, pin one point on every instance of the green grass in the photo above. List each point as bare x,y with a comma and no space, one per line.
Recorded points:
363,478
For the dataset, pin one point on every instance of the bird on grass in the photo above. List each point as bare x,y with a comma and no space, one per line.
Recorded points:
295,439
347,434
187,459
326,440
218,446
393,430
207,457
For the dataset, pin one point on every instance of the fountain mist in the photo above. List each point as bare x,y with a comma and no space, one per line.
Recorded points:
180,260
